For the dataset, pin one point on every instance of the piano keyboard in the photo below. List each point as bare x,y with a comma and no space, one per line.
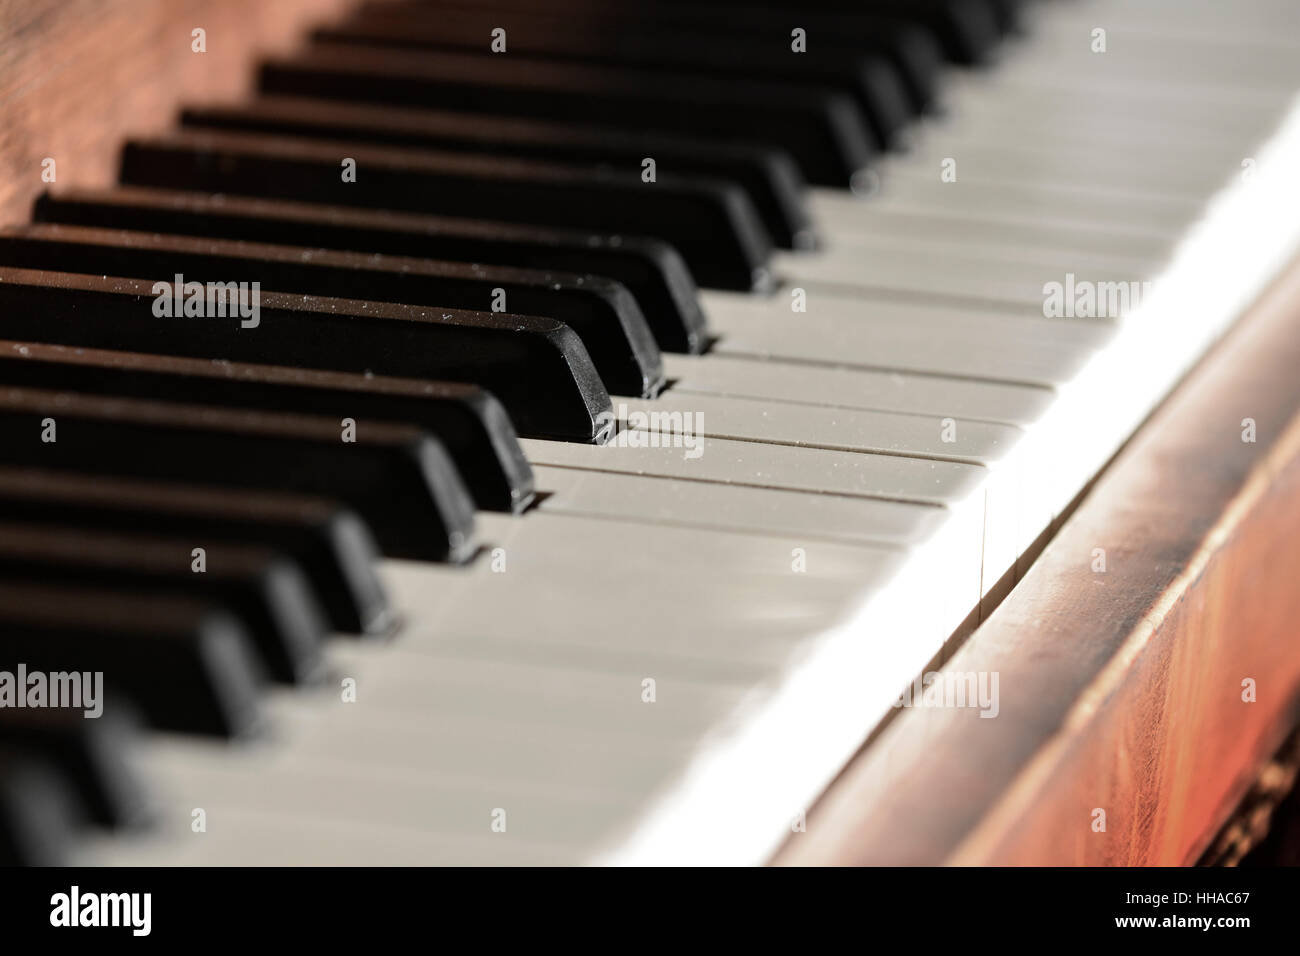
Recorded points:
512,617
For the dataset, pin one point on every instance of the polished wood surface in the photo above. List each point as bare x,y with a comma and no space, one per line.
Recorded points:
76,76
1120,691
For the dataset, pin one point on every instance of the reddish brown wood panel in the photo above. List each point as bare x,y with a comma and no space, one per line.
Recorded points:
77,75
1120,691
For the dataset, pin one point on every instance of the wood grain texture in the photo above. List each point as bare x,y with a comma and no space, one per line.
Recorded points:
1120,690
76,76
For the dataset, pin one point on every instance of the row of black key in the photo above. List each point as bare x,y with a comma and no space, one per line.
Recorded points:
191,504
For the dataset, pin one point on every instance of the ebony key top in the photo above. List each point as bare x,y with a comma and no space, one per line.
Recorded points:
537,367
868,78
331,544
397,477
601,311
769,176
968,29
471,423
40,815
711,222
95,756
653,271
913,49
265,590
185,665
820,126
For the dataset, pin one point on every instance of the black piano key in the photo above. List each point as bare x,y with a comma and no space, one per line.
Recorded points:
820,126
95,756
537,367
40,815
265,590
968,29
1007,14
397,477
467,420
769,176
331,544
651,269
914,50
867,77
601,311
711,222
182,664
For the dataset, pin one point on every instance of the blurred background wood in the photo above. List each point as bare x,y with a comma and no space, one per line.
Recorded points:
76,76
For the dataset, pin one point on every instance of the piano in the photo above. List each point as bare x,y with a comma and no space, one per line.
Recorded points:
474,432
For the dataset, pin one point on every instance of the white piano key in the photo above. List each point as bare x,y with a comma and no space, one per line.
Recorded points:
347,791
743,377
1079,168
1015,508
1145,68
1255,20
1155,51
947,437
702,578
930,269
587,544
847,221
1009,505
599,758
840,330
775,466
425,684
1128,145
1141,53
945,242
1015,201
702,504
1142,139
846,215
